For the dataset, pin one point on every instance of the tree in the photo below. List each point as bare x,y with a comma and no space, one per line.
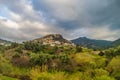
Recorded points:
101,53
78,48
14,45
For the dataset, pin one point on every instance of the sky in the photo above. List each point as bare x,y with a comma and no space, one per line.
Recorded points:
22,20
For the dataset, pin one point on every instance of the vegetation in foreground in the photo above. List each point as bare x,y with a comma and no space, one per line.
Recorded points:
33,61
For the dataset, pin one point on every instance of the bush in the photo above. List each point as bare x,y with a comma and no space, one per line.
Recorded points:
20,61
16,55
104,77
114,67
78,49
14,45
35,47
101,53
112,52
19,49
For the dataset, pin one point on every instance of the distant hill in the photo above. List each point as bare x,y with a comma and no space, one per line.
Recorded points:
91,43
115,43
53,39
4,42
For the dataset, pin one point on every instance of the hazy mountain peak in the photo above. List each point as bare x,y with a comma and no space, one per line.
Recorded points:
83,37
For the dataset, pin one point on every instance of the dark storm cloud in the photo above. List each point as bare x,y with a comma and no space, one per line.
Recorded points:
108,15
94,12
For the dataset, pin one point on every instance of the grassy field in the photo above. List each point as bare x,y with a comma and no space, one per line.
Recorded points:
6,78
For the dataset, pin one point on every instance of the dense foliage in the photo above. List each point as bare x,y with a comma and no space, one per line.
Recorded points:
34,61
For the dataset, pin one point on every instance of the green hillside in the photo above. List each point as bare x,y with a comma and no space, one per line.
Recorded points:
115,43
34,61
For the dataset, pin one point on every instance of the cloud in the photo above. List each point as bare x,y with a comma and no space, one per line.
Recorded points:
25,30
103,32
66,12
72,18
79,14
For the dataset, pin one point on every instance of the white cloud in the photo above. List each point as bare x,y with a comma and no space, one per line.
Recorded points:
103,32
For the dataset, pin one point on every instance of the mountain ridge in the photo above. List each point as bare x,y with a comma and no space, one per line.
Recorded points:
58,39
115,43
91,43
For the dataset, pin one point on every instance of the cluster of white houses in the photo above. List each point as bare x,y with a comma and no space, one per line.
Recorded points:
50,41
5,44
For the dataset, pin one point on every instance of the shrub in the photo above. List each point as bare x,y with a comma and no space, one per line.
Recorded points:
114,67
16,55
104,77
14,45
78,49
20,61
101,53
